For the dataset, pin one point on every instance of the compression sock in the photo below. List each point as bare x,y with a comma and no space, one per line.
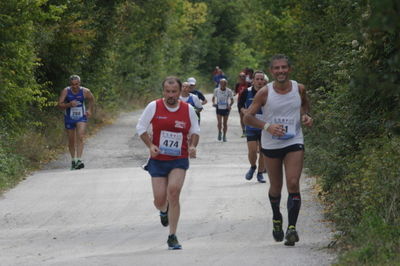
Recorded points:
275,202
293,206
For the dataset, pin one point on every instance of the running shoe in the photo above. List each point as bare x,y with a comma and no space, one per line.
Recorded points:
73,165
79,165
250,173
224,138
277,231
173,242
291,236
219,135
260,178
164,217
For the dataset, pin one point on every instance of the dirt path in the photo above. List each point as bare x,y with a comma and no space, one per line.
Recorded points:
103,214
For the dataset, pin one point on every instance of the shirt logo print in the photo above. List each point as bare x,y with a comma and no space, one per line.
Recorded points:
180,124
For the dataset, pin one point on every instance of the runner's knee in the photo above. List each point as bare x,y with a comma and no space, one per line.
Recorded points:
160,202
173,194
293,185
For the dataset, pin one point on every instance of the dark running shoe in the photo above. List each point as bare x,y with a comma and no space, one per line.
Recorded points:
219,136
79,165
260,178
291,236
250,173
173,243
164,217
277,231
73,165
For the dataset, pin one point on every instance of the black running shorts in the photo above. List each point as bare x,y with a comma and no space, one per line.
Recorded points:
281,153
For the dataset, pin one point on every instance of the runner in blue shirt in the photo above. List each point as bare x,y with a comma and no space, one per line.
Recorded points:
72,100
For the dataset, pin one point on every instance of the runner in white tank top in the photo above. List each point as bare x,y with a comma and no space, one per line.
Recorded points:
284,106
283,109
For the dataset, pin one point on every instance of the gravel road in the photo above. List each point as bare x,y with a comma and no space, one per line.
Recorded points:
103,214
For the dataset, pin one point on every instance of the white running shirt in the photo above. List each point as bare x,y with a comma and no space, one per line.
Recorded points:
283,109
222,97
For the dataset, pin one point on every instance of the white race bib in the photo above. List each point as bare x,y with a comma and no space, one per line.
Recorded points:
170,143
288,125
222,105
76,113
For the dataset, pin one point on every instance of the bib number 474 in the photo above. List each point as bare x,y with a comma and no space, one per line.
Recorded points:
171,143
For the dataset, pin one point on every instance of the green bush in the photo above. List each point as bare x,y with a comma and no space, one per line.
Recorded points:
372,242
11,169
367,205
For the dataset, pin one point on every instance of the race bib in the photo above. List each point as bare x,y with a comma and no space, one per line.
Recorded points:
288,125
222,105
171,143
76,113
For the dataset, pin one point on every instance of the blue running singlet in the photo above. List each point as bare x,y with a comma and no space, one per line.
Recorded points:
74,114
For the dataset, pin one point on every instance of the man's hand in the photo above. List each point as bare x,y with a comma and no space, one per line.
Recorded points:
154,150
74,103
276,130
192,152
307,120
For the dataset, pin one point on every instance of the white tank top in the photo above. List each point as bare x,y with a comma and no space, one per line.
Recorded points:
283,109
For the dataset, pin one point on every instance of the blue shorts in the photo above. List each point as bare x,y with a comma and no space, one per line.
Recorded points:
253,135
223,112
71,124
281,153
158,168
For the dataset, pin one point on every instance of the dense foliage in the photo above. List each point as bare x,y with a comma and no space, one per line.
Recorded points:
347,53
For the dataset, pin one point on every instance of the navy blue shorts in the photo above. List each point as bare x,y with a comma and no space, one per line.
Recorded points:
158,168
281,153
223,112
71,124
253,135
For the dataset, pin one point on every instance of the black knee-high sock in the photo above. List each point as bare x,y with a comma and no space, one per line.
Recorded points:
293,206
275,202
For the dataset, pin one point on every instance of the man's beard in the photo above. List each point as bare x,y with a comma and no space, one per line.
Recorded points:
172,101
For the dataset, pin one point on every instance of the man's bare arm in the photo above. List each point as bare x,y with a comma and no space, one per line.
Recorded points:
305,107
193,141
61,100
153,149
89,96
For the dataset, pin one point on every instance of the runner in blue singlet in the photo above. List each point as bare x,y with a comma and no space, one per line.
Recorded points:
72,100
253,135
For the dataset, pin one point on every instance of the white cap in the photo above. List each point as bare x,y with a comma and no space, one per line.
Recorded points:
192,81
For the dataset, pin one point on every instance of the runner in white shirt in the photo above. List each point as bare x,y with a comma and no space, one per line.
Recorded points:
223,101
285,107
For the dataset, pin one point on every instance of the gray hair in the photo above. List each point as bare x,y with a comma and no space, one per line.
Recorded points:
75,77
280,57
